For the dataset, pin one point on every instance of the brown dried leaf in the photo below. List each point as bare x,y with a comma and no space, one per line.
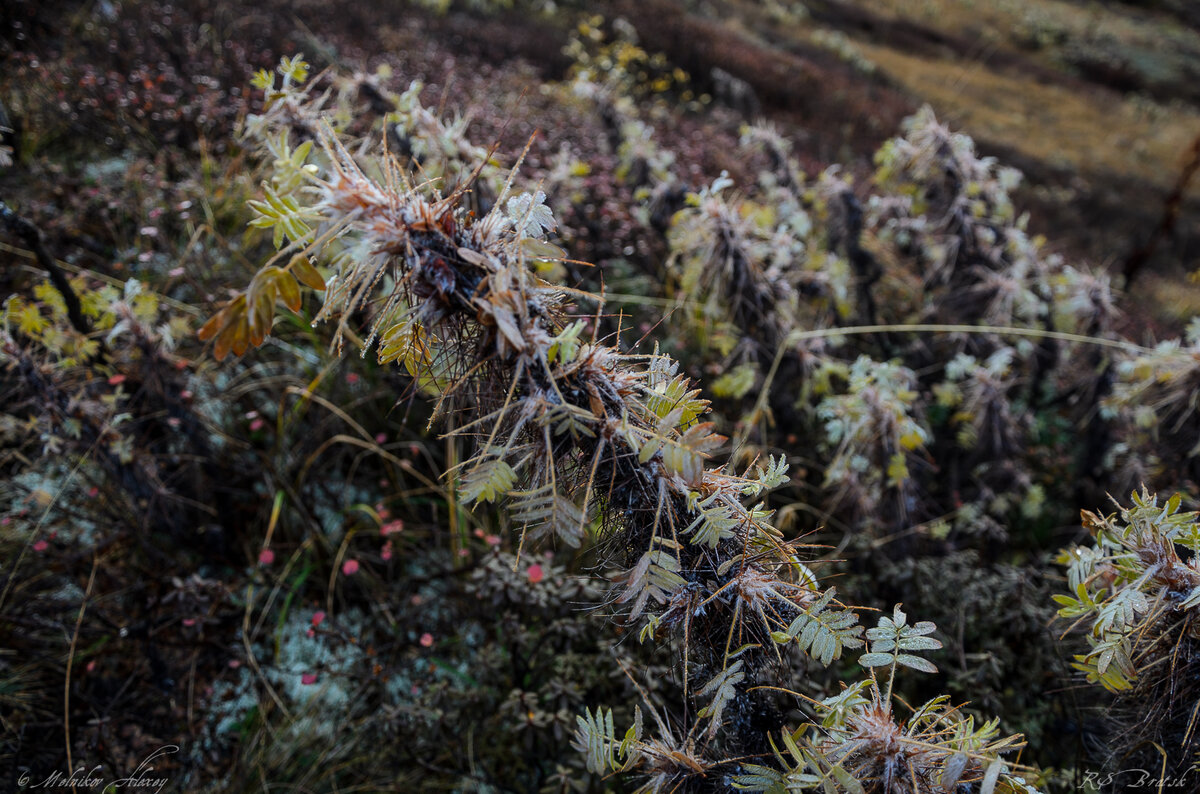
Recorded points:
473,257
508,327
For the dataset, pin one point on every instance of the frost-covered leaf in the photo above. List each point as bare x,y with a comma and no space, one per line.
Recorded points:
765,479
530,215
545,512
723,688
823,633
716,521
487,481
594,738
655,576
916,662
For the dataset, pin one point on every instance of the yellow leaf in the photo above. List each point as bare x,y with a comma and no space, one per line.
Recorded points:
30,320
897,470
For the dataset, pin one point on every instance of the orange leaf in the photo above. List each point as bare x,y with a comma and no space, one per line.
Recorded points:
261,315
261,302
224,342
308,275
240,340
289,290
210,328
229,317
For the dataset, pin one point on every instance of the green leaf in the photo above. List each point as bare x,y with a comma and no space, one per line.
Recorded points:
565,346
914,643
875,660
736,383
663,398
916,663
716,522
294,68
283,215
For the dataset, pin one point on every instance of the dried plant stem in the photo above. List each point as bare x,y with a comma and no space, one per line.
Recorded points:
87,593
937,328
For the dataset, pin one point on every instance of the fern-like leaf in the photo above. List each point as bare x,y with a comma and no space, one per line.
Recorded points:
655,576
715,523
662,398
723,687
283,215
543,512
821,632
773,476
594,738
487,481
686,456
